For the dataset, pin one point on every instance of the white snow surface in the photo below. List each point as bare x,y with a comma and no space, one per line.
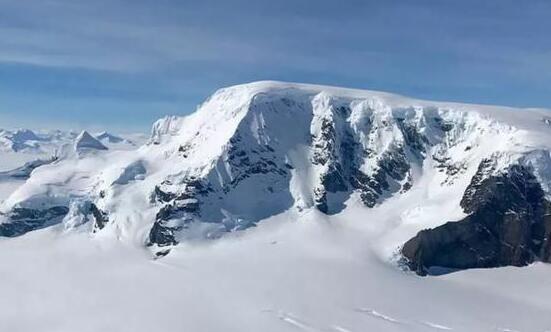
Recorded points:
299,269
315,273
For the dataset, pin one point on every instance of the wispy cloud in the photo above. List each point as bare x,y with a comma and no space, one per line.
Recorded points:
99,35
140,36
182,50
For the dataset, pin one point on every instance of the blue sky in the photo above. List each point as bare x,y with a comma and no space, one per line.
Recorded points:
123,64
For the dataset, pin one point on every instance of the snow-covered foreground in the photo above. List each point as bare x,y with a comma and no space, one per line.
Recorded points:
315,273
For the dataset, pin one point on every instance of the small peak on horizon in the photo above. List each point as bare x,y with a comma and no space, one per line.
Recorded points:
86,141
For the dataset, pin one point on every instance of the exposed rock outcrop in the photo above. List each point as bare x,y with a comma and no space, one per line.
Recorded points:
509,223
101,218
23,220
177,211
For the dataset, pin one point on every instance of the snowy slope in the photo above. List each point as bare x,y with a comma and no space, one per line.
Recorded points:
319,274
316,275
360,172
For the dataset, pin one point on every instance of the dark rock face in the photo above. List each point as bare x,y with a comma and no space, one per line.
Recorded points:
509,224
23,220
246,162
331,151
101,218
337,148
393,168
162,235
413,139
182,206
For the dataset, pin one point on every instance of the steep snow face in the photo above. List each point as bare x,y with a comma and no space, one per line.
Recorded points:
257,150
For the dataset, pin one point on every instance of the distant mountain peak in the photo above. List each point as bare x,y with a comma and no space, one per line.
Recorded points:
23,135
105,136
87,141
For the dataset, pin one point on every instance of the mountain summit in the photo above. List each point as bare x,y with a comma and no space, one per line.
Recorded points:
86,141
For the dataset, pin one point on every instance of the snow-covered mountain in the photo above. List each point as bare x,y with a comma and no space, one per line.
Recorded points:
377,184
258,150
85,141
110,138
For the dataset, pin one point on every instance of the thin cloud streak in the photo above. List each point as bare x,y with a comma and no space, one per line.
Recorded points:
181,51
